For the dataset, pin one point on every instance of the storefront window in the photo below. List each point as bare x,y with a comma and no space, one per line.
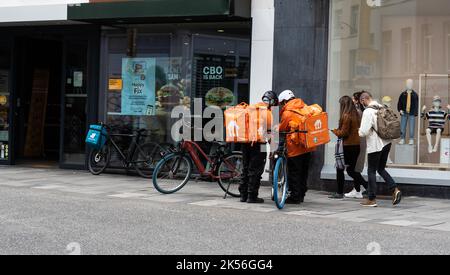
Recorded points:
4,103
172,69
383,47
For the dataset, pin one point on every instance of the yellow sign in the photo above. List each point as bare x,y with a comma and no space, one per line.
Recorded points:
115,84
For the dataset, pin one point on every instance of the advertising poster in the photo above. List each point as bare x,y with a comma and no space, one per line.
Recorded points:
138,93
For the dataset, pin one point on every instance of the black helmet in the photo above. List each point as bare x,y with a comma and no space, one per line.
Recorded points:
270,98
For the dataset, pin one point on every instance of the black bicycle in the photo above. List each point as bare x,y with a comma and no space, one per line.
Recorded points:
143,158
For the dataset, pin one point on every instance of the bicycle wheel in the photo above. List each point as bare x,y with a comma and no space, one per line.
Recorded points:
172,173
229,174
146,157
280,183
99,159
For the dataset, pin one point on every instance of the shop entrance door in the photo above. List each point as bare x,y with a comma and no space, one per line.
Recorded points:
54,98
5,101
37,93
79,99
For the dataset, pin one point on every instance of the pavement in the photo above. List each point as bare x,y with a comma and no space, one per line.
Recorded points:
52,211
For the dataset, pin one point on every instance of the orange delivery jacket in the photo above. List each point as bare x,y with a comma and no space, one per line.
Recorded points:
290,121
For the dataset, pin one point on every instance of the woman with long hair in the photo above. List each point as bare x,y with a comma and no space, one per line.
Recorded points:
349,124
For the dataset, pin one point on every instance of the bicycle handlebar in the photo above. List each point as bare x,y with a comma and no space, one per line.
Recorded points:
292,132
113,127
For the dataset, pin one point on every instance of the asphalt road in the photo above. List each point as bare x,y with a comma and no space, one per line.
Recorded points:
50,222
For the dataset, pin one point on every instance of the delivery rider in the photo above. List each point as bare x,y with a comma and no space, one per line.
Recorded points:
254,162
299,157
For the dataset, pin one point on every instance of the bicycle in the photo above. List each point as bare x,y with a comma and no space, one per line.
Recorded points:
142,157
174,171
280,187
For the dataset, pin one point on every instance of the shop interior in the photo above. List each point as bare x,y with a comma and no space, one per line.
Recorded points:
38,101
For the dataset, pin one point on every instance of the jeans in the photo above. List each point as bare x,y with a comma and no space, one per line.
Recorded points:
254,162
298,169
406,118
377,163
351,154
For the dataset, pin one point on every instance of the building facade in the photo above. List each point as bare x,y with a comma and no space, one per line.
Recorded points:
77,56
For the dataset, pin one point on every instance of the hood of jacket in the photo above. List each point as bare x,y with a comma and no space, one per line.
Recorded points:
294,104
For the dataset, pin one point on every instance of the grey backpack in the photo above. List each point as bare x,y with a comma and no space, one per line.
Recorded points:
388,123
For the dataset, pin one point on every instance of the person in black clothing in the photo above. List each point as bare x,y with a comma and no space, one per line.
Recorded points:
254,162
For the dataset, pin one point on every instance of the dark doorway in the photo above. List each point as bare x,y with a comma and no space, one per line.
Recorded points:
38,100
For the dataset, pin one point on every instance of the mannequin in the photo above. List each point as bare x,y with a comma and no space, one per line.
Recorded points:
437,118
408,107
387,101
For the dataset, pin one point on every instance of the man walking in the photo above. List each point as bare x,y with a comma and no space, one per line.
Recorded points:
378,152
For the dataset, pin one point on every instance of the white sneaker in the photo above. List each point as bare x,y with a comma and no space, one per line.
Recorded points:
411,142
354,195
402,141
435,149
430,149
363,189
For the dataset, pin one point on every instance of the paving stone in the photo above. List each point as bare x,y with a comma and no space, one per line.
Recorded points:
400,223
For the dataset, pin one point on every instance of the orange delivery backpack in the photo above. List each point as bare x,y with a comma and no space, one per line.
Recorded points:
318,132
247,123
236,124
315,122
260,122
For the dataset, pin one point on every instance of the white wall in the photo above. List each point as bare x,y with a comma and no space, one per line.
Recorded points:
263,14
14,11
14,3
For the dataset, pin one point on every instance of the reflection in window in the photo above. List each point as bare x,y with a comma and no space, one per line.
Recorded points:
387,51
447,35
390,43
337,23
352,64
407,50
354,20
427,40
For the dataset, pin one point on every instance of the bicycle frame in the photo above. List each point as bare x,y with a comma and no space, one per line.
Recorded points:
194,151
134,146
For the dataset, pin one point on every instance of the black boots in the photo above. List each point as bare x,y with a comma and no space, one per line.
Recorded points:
291,200
244,197
254,199
251,199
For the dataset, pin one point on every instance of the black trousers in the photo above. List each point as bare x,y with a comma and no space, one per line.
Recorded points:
351,155
254,163
298,168
377,163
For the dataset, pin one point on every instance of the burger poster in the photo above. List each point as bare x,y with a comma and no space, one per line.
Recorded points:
139,83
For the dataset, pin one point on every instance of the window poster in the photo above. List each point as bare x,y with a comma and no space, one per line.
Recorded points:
78,79
138,92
